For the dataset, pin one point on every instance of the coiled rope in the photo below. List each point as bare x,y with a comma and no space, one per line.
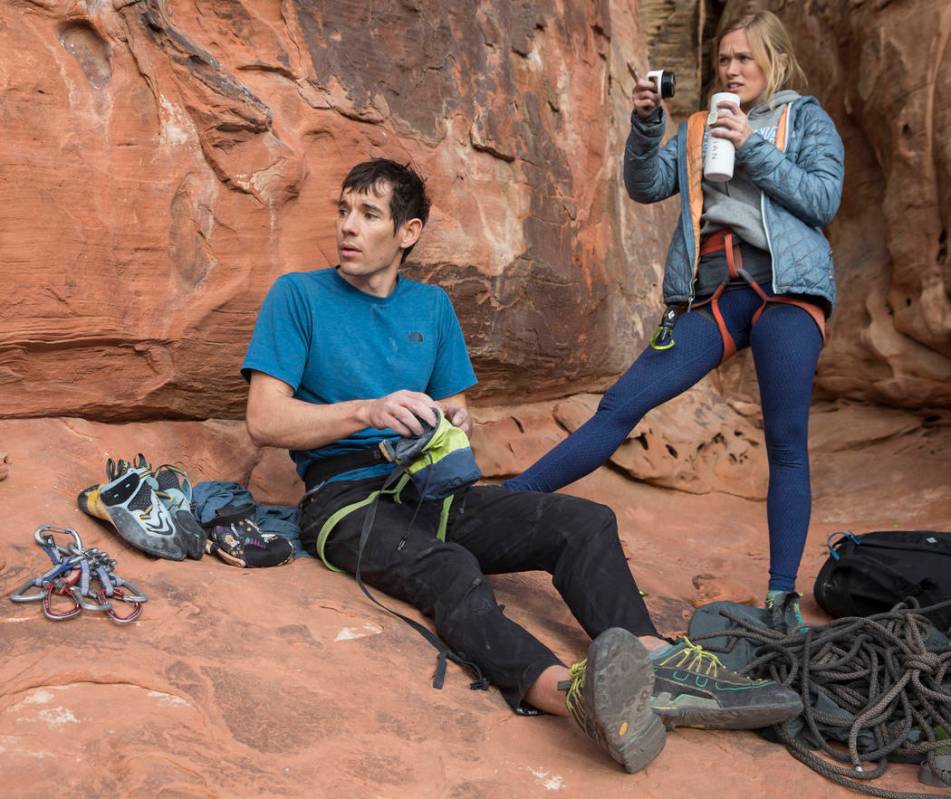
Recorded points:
877,669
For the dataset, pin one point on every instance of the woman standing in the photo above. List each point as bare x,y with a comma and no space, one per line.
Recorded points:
748,266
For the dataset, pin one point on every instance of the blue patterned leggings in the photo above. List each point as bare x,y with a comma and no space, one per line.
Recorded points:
785,342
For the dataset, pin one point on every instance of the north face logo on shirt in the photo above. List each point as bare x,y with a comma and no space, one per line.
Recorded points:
416,336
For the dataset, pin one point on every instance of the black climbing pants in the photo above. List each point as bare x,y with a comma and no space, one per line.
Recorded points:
490,531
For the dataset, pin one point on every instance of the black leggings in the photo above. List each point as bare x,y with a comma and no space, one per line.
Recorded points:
490,531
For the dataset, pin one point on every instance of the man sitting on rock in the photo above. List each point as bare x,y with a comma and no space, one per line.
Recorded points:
343,358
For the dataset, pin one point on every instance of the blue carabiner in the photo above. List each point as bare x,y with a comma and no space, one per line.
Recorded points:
845,534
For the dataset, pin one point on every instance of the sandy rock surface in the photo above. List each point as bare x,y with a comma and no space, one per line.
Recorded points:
287,682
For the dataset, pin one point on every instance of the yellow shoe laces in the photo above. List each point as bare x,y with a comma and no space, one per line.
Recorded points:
692,657
573,699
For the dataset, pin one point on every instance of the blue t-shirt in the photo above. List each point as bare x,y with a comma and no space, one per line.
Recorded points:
332,342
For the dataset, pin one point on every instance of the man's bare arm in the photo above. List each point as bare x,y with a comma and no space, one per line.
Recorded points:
275,418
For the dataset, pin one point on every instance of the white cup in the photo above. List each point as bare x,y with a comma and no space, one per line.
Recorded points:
718,161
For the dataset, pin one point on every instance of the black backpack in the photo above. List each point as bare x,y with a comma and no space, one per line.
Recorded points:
871,573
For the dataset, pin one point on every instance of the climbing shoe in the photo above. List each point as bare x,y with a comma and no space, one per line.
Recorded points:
130,501
175,491
784,612
692,688
608,696
242,543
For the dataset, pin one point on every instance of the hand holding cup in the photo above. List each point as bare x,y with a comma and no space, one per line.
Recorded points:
719,149
734,125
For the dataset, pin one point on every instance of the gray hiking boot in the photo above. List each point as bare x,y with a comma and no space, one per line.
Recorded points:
608,696
692,688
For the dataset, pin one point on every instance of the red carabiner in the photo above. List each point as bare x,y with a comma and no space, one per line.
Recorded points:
63,590
118,592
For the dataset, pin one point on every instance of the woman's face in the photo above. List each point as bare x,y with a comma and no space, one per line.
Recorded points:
738,71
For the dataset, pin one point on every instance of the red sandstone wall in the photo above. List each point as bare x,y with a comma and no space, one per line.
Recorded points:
163,162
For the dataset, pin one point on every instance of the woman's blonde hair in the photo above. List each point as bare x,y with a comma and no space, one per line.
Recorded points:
772,50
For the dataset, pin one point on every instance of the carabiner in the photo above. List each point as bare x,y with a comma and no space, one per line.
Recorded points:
833,547
21,595
48,603
48,540
663,338
120,594
131,593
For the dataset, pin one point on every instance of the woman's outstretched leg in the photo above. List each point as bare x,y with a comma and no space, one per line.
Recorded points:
786,345
655,377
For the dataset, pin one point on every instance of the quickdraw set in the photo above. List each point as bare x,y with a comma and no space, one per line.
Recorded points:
85,578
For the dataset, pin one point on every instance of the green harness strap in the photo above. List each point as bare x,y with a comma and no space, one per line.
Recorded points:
329,525
346,510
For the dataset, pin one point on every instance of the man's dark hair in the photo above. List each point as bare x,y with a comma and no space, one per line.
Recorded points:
408,200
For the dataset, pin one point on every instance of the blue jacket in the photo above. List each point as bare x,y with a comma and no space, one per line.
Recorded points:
801,182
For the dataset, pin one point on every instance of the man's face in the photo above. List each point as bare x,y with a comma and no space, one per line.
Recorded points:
366,241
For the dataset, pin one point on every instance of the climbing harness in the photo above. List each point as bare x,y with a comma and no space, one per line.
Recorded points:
880,686
723,240
726,241
86,578
439,462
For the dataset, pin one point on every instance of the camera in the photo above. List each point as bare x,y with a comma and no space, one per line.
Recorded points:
665,81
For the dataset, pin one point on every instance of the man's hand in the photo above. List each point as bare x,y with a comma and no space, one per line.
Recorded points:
399,410
734,126
459,417
645,94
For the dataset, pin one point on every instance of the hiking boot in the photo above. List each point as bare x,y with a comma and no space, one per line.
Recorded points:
784,613
692,688
608,696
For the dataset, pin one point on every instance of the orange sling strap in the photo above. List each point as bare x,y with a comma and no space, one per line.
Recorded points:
726,241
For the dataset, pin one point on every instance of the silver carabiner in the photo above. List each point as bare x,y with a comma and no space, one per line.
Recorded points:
21,595
50,541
